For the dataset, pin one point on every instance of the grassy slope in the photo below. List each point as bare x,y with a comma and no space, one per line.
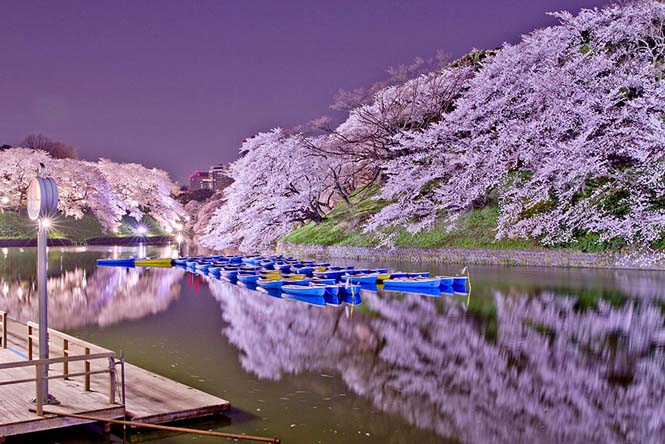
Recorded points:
19,226
344,224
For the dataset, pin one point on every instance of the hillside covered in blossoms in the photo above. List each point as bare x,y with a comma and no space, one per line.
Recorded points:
558,140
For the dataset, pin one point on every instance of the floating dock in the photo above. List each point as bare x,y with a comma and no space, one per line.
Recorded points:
85,379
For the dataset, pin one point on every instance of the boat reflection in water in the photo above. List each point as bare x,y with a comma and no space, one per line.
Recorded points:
562,371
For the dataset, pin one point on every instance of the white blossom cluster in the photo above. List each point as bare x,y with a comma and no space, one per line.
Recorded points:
567,128
106,189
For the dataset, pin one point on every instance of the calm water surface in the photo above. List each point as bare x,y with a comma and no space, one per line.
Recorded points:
533,355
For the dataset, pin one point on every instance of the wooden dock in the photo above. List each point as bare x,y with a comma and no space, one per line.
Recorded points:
86,381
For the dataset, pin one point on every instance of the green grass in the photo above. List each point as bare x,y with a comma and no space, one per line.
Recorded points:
344,226
17,225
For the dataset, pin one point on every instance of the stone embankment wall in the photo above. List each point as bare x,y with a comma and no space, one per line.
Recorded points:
478,256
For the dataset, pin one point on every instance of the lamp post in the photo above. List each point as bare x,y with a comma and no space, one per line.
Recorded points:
42,204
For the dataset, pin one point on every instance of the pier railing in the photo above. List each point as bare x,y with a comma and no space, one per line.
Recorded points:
3,329
71,350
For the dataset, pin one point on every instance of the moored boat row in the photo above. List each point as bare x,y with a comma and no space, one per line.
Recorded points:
326,283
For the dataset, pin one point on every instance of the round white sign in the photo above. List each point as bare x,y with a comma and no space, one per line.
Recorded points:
42,197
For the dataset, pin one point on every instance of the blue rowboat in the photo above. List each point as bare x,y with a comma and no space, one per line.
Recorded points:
324,281
398,275
446,281
329,274
412,283
304,270
215,270
435,292
331,289
332,299
192,264
360,278
318,301
352,298
180,261
248,278
349,289
423,274
283,268
128,262
300,282
271,284
301,290
274,292
380,270
460,281
203,266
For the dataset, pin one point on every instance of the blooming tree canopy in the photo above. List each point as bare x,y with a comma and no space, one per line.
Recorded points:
567,127
106,189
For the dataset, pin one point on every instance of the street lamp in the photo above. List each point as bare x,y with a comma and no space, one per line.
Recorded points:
42,204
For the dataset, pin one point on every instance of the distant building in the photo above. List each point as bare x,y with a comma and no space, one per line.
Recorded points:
200,180
219,174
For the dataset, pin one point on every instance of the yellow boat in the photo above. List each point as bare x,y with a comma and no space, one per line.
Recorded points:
271,277
153,263
320,268
294,277
383,276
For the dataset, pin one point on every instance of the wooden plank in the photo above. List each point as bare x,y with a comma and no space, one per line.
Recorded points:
151,398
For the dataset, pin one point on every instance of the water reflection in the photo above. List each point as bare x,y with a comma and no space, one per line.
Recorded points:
86,295
519,369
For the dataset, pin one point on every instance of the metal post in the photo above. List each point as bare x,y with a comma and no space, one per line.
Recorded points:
43,310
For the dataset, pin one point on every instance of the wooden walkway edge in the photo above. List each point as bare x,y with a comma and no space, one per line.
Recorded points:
89,388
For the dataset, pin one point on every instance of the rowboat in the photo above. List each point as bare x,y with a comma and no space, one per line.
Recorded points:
317,301
128,262
360,278
300,282
424,274
414,282
329,274
248,278
231,274
153,263
352,298
427,291
295,277
301,290
446,281
324,281
460,281
268,283
332,300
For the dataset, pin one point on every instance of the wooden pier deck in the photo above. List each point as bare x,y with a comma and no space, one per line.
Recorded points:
90,389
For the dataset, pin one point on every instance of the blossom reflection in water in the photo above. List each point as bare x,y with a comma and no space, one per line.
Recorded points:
103,297
563,372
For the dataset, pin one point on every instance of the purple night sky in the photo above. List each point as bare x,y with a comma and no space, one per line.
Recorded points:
178,84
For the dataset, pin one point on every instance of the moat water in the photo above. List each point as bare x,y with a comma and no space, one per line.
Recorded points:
531,355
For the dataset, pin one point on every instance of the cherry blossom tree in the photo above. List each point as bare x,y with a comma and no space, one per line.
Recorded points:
17,168
142,190
565,127
278,181
106,189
